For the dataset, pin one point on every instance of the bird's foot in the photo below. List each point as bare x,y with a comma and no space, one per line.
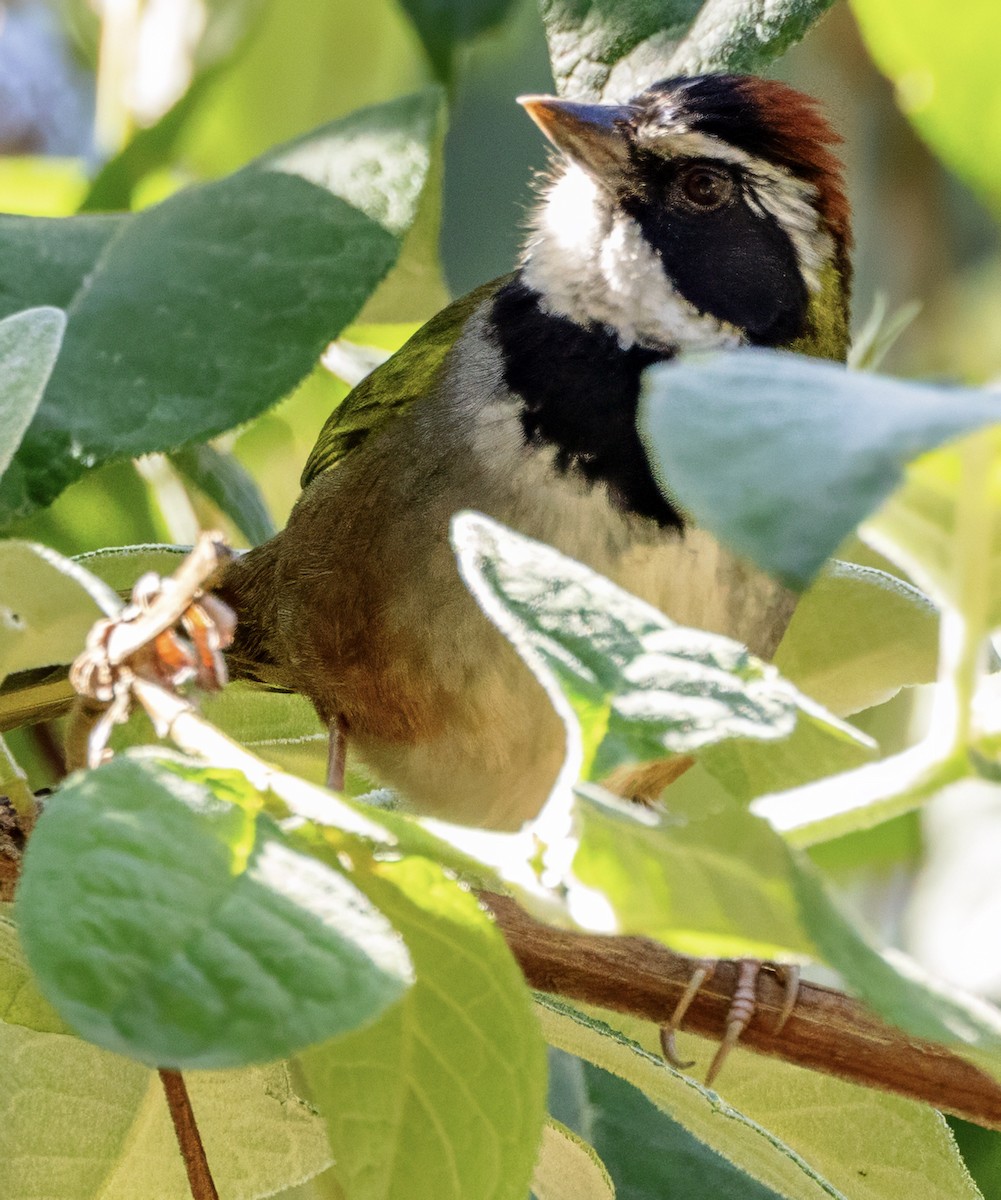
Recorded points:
743,1005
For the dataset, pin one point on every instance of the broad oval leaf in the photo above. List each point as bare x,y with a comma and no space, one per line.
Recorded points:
588,39
199,313
607,49
29,344
858,636
641,687
48,604
762,1156
444,1097
45,619
647,1152
225,481
943,526
21,1003
568,1168
170,924
78,1123
744,35
862,1142
120,566
713,881
782,456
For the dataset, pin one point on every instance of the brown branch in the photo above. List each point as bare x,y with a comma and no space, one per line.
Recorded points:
188,1138
827,1031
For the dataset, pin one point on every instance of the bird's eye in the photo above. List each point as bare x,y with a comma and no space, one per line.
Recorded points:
702,188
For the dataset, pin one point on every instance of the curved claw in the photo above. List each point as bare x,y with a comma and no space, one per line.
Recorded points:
789,973
667,1032
742,1006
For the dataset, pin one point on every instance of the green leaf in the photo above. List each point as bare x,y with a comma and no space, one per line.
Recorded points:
29,344
51,603
610,49
647,1154
21,1003
943,527
743,35
47,606
415,289
816,748
641,686
78,1123
443,1098
859,799
568,1168
230,488
330,60
889,982
749,1145
254,716
714,883
167,922
782,456
445,25
195,315
858,636
120,566
724,884
152,148
945,73
862,1142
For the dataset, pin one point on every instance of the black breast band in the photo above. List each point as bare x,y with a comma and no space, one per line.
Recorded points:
579,391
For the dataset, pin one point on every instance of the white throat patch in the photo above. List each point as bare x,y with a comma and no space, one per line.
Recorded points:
589,261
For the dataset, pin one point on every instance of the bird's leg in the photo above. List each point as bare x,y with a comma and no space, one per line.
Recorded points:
702,972
743,1005
337,753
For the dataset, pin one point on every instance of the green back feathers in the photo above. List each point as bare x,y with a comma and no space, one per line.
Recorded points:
827,333
395,385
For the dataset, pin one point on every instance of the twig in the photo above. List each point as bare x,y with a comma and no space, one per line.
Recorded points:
172,631
827,1031
188,1138
176,595
11,849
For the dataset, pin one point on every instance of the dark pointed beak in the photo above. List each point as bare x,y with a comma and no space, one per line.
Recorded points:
592,135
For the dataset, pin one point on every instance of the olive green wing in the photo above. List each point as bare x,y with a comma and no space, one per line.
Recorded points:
395,385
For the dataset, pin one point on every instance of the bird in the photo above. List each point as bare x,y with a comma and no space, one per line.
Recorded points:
707,212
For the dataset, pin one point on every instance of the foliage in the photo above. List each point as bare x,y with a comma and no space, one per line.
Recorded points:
944,72
352,1022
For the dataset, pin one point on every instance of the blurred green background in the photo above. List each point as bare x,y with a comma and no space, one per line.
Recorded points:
115,103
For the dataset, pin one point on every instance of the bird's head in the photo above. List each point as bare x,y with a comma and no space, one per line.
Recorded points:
707,211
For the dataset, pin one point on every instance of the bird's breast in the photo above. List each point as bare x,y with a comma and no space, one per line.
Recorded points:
685,573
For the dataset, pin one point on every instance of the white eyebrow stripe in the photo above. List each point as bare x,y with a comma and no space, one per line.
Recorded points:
773,189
